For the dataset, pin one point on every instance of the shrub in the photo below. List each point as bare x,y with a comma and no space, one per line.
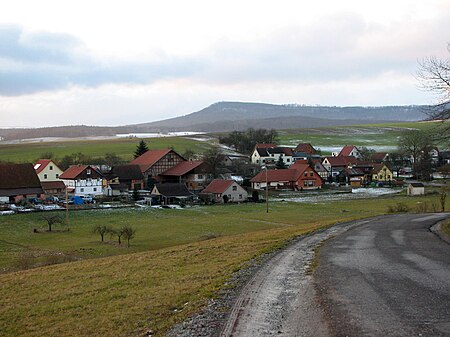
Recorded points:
398,208
422,207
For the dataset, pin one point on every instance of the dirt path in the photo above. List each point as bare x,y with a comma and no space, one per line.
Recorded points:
280,298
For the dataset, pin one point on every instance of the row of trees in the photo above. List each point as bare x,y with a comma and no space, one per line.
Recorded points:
126,232
110,159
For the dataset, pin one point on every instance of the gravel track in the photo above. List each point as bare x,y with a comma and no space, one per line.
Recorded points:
275,296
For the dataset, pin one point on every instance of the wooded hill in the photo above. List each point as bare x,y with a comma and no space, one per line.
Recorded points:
230,116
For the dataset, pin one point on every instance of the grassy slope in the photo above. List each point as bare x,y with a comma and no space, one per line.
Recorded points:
125,295
95,148
361,135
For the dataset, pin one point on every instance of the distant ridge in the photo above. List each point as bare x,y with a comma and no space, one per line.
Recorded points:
229,116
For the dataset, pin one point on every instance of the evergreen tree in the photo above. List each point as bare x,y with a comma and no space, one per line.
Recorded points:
280,163
141,148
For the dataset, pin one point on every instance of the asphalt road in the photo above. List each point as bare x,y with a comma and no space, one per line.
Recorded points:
386,277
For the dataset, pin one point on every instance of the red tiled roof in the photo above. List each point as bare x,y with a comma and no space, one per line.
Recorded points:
299,162
218,186
149,158
41,164
277,175
346,150
342,160
53,185
379,156
73,171
182,168
306,148
264,146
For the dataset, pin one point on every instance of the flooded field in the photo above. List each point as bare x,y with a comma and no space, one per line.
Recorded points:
318,197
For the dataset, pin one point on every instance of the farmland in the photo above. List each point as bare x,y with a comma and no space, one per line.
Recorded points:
178,260
122,147
382,137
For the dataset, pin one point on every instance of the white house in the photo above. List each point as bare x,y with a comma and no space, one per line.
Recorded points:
350,151
84,180
269,154
223,191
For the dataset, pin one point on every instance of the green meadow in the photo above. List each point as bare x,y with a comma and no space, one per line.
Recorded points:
178,260
123,147
368,135
381,135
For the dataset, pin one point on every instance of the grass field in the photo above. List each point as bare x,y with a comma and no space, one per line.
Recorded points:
179,259
380,136
123,147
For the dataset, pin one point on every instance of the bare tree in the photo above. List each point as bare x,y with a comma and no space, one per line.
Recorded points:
434,76
128,233
51,220
102,230
213,159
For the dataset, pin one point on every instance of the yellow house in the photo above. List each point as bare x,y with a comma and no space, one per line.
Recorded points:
381,172
47,170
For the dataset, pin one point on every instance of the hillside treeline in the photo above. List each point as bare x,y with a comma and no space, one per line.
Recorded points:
245,141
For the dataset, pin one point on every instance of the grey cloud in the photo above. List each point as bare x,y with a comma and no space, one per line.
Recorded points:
339,48
47,61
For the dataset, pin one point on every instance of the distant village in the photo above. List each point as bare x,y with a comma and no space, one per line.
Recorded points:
164,177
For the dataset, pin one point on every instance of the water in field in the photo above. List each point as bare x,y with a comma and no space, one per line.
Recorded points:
334,195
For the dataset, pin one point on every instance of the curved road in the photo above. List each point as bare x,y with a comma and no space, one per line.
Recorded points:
390,277
385,276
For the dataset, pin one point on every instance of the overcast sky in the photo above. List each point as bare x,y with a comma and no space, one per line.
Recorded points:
125,62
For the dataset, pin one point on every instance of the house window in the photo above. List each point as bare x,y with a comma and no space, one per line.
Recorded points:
305,183
288,159
240,196
81,189
234,188
95,189
45,176
88,171
57,175
310,183
51,168
311,174
200,176
305,174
